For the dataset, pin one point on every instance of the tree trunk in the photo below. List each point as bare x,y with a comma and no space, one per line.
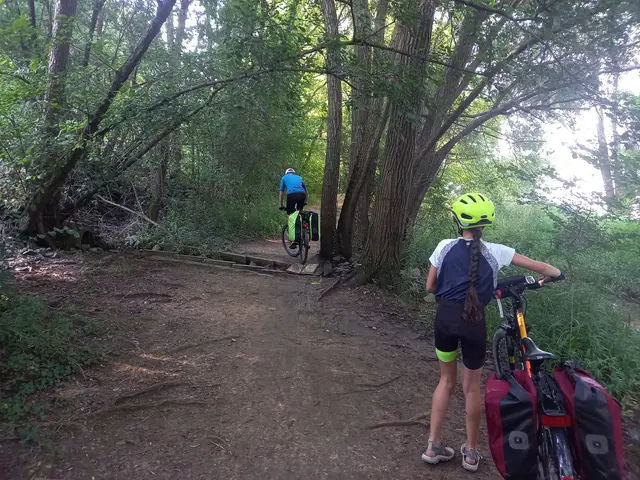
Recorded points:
170,149
54,100
58,66
95,14
616,170
60,171
32,13
604,162
381,258
359,186
361,109
334,134
368,124
159,187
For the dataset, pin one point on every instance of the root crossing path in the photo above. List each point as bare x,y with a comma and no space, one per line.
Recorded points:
225,374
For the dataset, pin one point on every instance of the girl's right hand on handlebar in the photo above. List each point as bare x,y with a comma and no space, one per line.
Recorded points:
558,278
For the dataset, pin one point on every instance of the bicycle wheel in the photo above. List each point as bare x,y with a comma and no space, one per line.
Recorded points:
304,245
506,355
555,455
286,241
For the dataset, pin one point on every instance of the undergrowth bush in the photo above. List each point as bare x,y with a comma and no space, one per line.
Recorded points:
38,348
214,225
589,316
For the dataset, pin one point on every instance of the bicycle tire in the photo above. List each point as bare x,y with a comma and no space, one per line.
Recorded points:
285,242
499,347
304,247
555,458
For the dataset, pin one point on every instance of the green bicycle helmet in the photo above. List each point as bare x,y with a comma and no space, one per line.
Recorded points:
473,210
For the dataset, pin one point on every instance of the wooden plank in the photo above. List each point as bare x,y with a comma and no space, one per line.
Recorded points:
234,257
222,263
310,269
260,261
186,262
272,270
295,268
254,268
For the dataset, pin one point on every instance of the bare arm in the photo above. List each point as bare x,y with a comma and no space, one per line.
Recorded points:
535,266
281,198
432,280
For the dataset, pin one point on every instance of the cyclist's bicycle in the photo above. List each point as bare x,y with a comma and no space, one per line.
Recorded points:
514,349
303,245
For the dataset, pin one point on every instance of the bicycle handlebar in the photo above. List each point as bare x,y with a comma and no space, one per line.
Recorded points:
516,285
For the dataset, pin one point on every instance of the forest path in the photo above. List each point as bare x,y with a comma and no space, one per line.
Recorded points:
261,381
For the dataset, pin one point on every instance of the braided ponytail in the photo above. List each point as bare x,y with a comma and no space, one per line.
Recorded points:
472,309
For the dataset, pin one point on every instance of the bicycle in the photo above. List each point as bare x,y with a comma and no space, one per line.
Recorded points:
303,245
554,451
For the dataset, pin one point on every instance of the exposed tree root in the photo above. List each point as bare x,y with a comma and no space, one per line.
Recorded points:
417,420
328,290
143,406
199,344
142,391
370,387
373,386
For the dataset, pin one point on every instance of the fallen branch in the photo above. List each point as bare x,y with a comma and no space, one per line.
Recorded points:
417,420
138,214
373,386
144,406
328,289
199,344
142,391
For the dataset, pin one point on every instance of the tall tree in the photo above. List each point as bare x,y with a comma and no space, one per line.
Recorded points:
32,13
334,133
382,250
93,21
603,160
59,168
367,125
55,96
170,147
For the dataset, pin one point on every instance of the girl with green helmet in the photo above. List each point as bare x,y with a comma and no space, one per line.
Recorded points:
463,276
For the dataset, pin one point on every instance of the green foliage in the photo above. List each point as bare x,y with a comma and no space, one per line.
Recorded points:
211,225
587,317
64,231
39,348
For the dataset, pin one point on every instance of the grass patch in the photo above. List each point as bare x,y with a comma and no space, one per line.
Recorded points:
39,347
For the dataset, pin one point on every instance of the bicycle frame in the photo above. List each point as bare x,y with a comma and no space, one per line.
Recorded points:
303,248
552,419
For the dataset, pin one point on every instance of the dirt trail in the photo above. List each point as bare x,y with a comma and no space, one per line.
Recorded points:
266,383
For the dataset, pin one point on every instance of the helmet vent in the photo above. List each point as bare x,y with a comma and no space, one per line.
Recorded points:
471,197
482,198
483,216
463,201
466,217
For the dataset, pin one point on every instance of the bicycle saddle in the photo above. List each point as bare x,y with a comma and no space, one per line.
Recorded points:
533,353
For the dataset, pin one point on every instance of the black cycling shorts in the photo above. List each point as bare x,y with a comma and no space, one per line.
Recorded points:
450,329
295,201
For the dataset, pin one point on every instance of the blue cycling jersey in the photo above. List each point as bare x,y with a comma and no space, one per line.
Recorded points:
292,183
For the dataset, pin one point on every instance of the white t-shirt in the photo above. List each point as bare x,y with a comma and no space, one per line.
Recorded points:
451,258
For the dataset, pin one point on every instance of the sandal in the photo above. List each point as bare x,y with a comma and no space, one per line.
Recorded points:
442,454
475,454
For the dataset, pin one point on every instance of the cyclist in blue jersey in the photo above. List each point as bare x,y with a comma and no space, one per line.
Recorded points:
296,192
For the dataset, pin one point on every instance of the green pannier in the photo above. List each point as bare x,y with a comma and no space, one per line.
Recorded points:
295,227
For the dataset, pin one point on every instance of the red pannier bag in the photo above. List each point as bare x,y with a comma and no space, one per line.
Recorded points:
596,424
510,406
